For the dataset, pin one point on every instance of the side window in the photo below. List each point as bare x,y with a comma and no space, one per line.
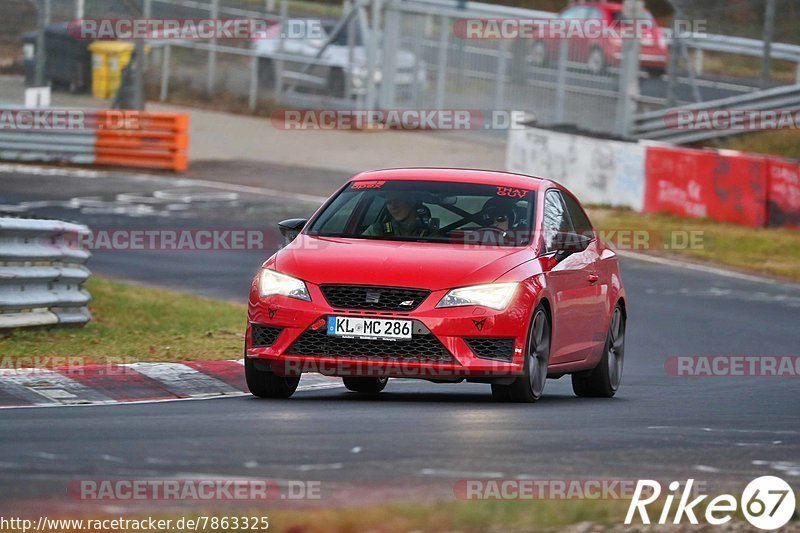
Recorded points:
340,213
555,219
579,219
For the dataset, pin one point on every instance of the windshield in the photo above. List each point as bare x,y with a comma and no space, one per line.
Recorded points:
420,211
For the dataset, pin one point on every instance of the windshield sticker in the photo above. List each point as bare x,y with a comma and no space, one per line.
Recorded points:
510,192
367,184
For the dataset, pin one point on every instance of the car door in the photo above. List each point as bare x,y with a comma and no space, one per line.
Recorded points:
572,282
597,271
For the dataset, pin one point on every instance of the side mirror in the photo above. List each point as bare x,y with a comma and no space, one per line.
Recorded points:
292,227
566,244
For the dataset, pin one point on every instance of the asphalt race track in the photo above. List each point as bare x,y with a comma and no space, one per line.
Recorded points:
719,430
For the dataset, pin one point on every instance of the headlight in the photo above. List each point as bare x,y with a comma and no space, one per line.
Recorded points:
272,282
494,295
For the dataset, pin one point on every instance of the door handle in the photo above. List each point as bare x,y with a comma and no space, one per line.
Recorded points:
593,278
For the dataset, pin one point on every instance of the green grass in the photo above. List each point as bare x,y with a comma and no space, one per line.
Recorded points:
771,251
783,143
739,66
132,323
463,516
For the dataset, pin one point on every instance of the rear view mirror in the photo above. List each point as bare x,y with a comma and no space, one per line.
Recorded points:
292,227
568,243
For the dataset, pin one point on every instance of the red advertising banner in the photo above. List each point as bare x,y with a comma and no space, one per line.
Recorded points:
783,196
739,186
672,182
725,186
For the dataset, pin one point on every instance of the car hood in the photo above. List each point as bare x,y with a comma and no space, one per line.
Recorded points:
432,266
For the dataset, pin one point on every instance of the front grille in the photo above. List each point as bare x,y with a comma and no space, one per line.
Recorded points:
420,348
373,298
264,336
498,349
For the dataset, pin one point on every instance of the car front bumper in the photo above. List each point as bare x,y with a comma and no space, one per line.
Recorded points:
447,344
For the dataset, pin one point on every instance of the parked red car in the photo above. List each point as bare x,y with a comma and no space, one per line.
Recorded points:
445,275
597,49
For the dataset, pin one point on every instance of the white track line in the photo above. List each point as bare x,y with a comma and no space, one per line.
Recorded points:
664,261
183,380
180,182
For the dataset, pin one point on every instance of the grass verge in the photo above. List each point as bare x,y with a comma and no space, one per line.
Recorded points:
132,323
783,143
770,251
573,516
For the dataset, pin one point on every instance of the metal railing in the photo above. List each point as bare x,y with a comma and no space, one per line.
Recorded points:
42,273
726,44
665,124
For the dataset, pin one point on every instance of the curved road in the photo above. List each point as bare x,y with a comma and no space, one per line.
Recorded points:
724,431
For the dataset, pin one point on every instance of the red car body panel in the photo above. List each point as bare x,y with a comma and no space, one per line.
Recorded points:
653,51
580,309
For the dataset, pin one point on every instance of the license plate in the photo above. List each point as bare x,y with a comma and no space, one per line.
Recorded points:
369,328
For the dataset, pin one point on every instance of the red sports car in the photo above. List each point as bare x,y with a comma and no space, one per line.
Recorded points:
444,275
599,49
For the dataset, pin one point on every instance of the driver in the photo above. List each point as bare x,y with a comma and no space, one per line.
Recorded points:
403,218
498,213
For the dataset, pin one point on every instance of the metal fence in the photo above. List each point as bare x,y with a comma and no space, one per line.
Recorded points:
42,273
553,80
419,61
414,58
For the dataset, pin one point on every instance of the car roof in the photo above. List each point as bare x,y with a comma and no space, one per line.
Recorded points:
464,175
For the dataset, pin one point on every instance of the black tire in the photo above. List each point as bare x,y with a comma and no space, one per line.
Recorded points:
266,72
265,384
655,73
336,83
365,385
603,381
529,387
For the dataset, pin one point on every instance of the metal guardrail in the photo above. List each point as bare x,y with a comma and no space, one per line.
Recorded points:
726,44
662,125
41,273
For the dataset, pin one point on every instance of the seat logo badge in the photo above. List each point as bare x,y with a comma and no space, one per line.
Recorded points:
271,312
479,324
373,297
407,303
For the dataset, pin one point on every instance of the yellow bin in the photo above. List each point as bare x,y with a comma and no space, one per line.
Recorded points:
109,58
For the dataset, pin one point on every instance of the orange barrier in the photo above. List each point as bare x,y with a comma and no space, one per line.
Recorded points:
141,139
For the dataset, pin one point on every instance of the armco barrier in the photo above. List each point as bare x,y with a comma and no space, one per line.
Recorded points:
783,207
98,137
721,185
598,171
41,274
